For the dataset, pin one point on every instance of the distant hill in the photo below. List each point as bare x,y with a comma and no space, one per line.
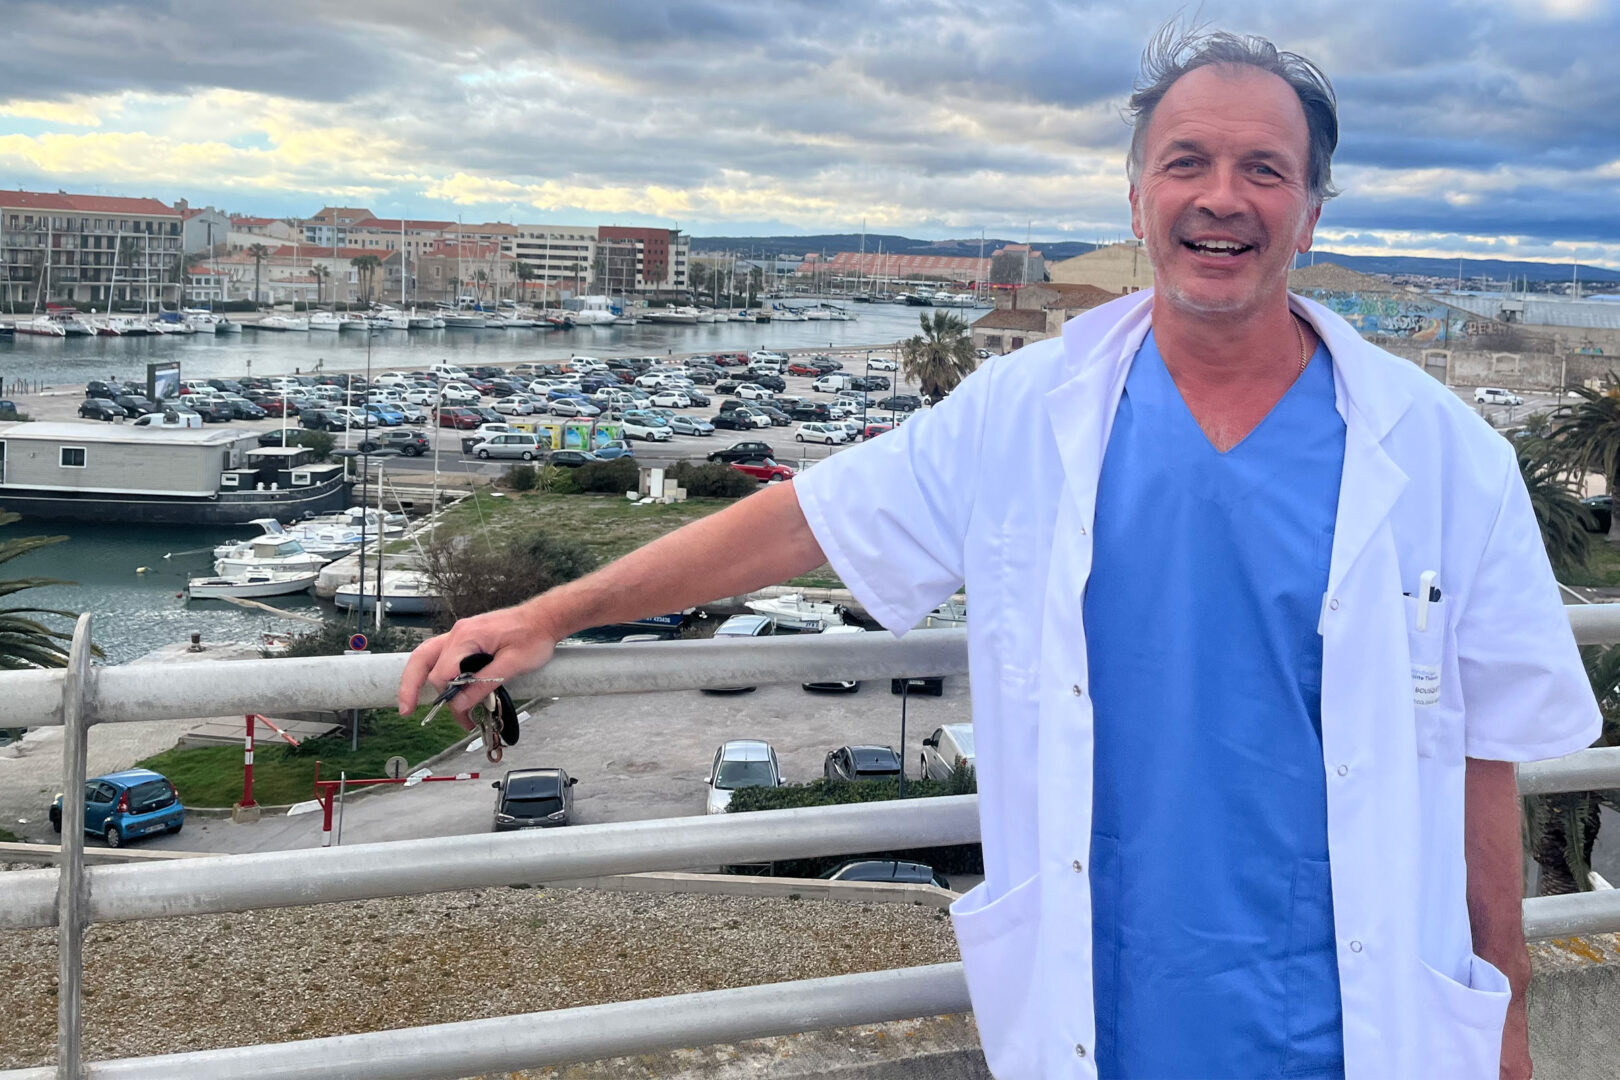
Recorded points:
769,246
1500,269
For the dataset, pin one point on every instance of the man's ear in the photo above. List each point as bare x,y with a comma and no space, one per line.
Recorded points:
1136,213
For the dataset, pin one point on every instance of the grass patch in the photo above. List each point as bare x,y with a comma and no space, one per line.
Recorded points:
1602,566
212,775
609,526
9,837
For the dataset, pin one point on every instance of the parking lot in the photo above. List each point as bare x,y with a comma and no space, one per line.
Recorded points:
445,443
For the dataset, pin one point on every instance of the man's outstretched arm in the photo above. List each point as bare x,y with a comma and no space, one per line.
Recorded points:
762,540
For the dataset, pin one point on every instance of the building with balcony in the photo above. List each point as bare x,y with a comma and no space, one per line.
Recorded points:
558,258
330,227
96,250
204,230
633,259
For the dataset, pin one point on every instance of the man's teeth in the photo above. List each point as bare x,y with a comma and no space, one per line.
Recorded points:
1218,247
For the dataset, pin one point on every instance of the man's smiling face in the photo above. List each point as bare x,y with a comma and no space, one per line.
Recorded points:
1222,200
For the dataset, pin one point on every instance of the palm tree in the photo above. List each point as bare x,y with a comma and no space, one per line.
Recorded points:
525,274
320,274
1559,512
1588,436
940,357
1561,830
259,253
25,642
367,266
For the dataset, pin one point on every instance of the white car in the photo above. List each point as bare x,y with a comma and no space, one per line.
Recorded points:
422,397
513,406
355,418
1495,395
750,392
397,379
458,394
768,356
671,399
573,407
737,764
414,414
690,425
883,365
949,748
821,433
647,428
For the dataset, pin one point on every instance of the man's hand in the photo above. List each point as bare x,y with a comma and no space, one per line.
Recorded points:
516,637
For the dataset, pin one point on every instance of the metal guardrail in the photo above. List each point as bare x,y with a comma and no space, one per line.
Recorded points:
73,896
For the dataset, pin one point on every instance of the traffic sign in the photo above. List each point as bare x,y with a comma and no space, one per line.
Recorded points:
395,767
358,643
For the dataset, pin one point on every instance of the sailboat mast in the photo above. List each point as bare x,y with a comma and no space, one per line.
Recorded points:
401,282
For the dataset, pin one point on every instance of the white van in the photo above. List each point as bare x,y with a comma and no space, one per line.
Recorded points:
170,418
446,371
1496,395
831,384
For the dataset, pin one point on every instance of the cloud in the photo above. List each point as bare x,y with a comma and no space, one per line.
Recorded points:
1463,122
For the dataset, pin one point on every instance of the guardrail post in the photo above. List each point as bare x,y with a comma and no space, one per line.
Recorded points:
72,889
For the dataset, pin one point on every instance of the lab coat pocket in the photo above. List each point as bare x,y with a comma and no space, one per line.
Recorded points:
997,939
1426,647
1465,1033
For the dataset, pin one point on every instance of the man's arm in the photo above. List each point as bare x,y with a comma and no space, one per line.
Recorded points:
1495,894
762,540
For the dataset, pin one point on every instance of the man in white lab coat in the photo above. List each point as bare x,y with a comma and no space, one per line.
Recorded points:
1261,619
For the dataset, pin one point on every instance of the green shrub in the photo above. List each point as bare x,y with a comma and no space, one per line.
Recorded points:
563,483
712,480
332,639
521,478
951,859
318,442
613,477
7,414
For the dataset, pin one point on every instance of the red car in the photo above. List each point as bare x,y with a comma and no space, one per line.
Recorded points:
731,359
763,469
272,405
803,369
872,430
459,418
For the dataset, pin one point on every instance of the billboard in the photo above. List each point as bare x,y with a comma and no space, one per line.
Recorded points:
163,380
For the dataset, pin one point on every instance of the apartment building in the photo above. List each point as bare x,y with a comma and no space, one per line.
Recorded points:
635,259
559,258
89,249
330,227
449,271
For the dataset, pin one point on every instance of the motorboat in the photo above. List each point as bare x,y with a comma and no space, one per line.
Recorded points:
404,592
951,615
466,320
222,325
520,322
205,322
266,553
686,316
389,319
328,541
786,314
326,320
284,322
259,583
793,612
424,320
392,524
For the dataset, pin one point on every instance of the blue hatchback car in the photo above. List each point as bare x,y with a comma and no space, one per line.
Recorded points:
124,806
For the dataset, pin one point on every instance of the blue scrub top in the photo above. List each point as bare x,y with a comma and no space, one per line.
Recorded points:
1212,916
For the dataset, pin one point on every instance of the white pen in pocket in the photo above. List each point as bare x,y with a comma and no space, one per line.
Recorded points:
1425,595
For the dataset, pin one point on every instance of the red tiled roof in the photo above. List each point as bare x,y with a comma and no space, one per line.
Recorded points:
900,265
237,219
393,225
1012,319
469,250
84,204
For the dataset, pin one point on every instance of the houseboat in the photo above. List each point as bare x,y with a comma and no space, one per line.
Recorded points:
159,475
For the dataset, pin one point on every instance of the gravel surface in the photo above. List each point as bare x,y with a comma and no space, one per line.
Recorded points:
206,981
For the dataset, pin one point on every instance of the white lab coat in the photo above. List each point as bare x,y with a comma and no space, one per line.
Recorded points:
996,486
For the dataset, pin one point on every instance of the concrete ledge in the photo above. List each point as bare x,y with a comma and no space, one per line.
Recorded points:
868,892
1574,999
46,854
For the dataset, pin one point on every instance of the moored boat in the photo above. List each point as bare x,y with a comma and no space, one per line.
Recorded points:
794,612
404,592
258,583
268,553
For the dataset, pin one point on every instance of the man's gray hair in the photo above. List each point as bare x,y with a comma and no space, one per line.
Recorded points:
1175,50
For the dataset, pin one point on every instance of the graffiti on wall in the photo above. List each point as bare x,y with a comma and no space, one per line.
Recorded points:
1409,318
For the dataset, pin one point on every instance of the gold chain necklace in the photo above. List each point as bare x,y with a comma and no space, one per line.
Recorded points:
1304,357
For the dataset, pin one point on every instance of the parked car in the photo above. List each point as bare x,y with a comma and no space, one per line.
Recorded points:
765,470
275,437
515,444
459,393
821,433
97,388
671,399
615,448
949,748
353,416
772,382
243,409
837,686
697,397
574,407
1601,507
874,430
136,404
897,871
512,405
408,443
869,383
384,413
571,459
801,367
638,425
752,392
743,451
1496,395
898,403
122,806
458,418
99,408
776,416
740,763
415,414
742,626
533,799
321,420
690,425
212,410
879,364
853,763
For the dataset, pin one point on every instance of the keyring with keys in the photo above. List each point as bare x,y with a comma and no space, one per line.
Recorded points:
496,715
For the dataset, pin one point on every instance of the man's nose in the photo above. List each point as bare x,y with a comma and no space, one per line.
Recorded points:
1219,196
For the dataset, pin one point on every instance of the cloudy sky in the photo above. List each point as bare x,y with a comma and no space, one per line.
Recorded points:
1468,127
